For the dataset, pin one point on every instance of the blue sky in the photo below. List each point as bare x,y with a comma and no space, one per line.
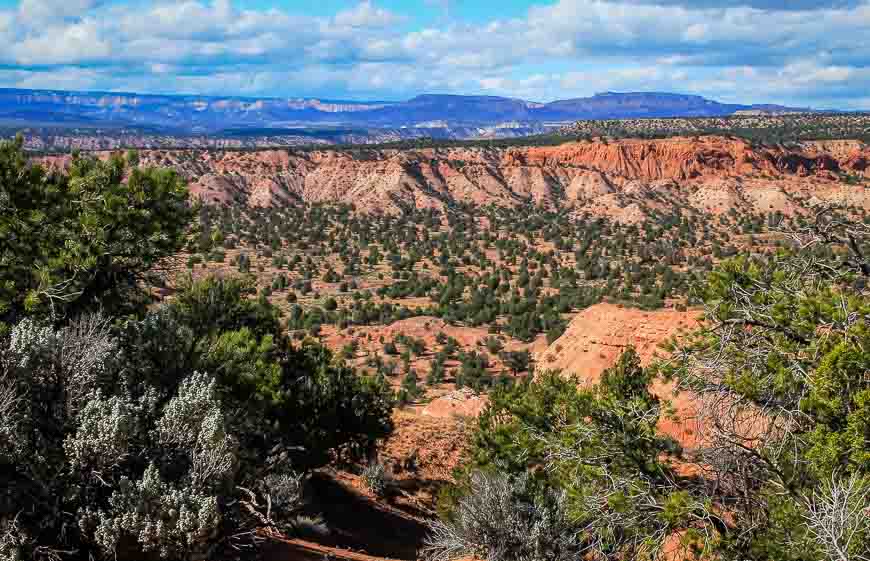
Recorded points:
801,52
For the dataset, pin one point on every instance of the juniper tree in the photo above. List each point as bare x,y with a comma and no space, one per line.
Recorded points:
85,238
781,379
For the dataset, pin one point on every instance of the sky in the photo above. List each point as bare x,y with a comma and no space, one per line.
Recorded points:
798,52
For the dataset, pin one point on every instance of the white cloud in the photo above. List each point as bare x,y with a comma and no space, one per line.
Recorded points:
74,43
48,10
560,49
366,14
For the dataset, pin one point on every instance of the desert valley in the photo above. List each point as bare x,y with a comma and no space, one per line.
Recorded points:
440,280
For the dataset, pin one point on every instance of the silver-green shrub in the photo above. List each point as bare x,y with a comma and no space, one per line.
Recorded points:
499,519
102,438
178,522
114,442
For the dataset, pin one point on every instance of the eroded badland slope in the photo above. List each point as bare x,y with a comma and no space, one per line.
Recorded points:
625,179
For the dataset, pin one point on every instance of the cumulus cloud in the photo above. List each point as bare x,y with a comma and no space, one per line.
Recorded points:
80,42
738,50
366,14
48,10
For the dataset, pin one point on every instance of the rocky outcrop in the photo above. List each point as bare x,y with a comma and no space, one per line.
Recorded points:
597,337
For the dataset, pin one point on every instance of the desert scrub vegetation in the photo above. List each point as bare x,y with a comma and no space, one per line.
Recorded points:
503,517
518,272
770,129
180,430
780,471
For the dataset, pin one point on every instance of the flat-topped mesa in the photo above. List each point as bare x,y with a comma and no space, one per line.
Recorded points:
677,158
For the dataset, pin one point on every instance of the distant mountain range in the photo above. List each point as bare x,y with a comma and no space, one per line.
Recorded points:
472,115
